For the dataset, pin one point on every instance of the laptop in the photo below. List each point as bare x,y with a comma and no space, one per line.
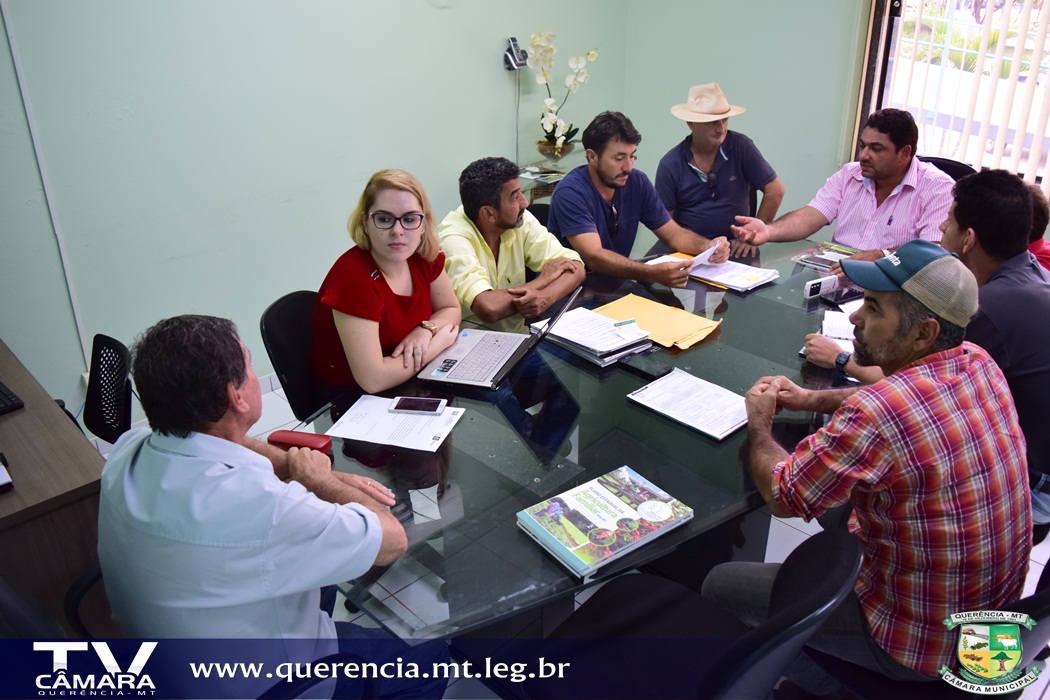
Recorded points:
484,358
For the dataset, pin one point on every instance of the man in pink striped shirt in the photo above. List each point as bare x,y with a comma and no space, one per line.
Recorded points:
882,200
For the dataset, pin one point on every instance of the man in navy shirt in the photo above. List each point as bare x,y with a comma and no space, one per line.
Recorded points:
988,226
706,180
597,207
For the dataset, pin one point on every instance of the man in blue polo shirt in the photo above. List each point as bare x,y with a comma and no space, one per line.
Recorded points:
706,180
597,207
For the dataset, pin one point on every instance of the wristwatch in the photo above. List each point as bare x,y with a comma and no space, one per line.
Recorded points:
430,326
842,360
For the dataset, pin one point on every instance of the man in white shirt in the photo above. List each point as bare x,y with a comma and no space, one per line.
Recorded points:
207,533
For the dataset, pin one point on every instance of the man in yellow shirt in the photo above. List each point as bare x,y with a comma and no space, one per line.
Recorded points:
489,242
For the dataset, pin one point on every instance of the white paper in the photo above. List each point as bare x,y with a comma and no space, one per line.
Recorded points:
727,274
700,259
837,327
696,402
594,331
370,420
848,307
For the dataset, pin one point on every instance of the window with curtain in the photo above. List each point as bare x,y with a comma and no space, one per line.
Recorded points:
974,74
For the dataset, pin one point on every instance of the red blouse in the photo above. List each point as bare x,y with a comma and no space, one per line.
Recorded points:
356,287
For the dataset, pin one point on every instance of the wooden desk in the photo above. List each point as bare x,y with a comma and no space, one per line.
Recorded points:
49,521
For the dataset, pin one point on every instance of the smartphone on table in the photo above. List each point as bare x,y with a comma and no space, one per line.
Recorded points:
415,404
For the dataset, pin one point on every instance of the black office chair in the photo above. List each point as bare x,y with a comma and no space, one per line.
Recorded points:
540,211
952,168
287,330
21,617
869,685
107,407
686,646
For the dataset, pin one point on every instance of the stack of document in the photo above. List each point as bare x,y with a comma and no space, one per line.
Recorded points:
666,325
596,338
729,275
825,255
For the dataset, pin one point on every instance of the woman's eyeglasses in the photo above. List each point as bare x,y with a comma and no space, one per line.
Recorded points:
385,221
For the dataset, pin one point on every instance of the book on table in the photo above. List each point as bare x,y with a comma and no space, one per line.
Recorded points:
599,521
596,338
694,402
824,255
729,274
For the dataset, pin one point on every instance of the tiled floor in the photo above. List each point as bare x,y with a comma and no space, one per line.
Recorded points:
784,535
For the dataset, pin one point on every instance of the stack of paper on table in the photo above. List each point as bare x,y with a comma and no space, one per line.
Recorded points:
599,521
731,275
666,325
596,338
694,402
825,255
837,327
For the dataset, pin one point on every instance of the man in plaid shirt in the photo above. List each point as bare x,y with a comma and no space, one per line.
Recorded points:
931,460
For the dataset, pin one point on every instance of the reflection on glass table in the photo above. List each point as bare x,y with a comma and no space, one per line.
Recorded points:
557,422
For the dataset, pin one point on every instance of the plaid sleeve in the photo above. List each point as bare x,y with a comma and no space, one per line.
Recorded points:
827,465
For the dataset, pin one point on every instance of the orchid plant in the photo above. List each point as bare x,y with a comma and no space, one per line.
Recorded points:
541,58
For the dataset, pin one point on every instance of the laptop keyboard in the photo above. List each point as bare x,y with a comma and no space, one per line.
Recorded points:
8,401
481,363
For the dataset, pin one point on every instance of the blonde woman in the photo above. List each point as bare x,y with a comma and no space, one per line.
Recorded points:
386,307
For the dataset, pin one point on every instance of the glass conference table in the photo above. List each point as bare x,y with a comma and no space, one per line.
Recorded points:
556,422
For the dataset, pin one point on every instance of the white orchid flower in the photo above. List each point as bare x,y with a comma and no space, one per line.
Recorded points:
562,128
576,63
550,104
592,55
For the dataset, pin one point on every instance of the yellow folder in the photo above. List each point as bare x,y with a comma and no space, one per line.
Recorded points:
666,325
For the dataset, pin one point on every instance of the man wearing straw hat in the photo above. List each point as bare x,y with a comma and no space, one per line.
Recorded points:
884,199
706,180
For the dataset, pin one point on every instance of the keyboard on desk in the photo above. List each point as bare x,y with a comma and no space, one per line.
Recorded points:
484,359
8,400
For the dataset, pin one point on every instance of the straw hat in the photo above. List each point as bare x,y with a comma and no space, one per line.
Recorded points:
706,103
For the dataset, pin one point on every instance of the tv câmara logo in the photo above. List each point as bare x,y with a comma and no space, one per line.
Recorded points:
115,682
989,652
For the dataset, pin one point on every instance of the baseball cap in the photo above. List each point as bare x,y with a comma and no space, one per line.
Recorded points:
927,272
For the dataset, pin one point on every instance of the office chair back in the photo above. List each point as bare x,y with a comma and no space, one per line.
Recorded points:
107,407
684,645
811,583
287,331
21,617
952,168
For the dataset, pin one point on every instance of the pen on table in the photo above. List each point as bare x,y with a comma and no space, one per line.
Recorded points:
316,414
623,323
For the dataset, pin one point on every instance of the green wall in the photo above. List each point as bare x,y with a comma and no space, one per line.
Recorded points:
203,156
